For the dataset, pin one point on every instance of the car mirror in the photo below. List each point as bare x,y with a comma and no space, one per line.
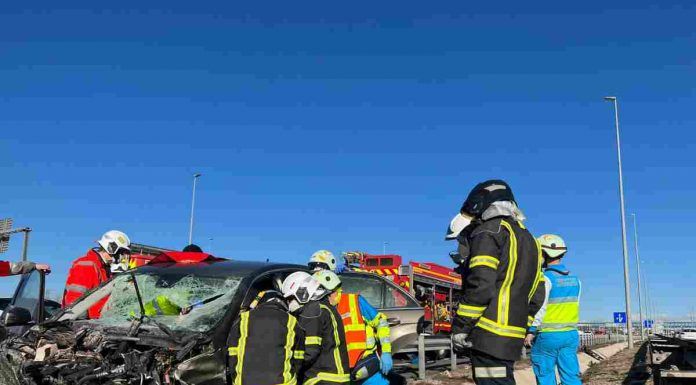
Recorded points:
16,316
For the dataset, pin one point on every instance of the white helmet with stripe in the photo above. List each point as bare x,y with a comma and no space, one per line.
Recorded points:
300,285
552,245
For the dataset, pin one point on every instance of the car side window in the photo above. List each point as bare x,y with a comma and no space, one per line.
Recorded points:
29,294
370,288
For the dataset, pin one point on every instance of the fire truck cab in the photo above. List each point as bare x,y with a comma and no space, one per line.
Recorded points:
434,286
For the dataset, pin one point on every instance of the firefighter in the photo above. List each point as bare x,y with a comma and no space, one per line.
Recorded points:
554,333
95,267
267,344
326,354
503,285
22,267
363,325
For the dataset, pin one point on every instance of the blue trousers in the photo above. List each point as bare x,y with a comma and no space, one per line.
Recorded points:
553,349
376,379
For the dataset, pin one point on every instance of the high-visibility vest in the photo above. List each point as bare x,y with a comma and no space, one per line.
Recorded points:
161,305
563,304
360,337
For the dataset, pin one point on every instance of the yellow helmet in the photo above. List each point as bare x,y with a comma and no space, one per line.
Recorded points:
552,245
327,279
322,260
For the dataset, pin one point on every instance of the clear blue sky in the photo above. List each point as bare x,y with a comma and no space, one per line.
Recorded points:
344,125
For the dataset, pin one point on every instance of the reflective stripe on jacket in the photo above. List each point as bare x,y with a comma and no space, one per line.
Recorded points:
85,274
267,346
561,311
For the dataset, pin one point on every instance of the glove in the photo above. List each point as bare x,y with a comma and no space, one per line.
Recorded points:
22,267
387,363
460,343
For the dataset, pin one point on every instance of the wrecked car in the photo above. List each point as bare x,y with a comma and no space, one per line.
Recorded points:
138,339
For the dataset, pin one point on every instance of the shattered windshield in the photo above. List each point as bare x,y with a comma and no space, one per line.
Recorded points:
183,302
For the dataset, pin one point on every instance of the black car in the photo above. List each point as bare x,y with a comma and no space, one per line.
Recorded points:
118,348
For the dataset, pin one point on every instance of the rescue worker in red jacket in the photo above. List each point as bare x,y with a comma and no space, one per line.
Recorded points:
95,267
23,267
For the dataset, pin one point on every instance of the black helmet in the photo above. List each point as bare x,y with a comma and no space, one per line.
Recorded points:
484,194
192,248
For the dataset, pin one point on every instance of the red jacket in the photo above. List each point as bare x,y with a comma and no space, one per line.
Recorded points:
5,269
85,274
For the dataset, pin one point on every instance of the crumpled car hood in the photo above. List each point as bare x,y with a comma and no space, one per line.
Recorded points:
81,353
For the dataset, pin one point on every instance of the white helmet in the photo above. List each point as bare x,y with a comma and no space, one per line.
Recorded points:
113,241
327,279
322,260
552,245
301,286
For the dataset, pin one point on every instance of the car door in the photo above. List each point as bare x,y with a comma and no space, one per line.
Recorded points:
403,312
29,297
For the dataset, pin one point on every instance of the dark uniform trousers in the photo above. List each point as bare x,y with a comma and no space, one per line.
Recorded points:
488,370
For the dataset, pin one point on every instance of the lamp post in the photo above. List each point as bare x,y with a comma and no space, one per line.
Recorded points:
640,286
193,205
627,285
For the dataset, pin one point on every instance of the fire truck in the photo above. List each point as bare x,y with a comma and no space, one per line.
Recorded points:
435,286
143,254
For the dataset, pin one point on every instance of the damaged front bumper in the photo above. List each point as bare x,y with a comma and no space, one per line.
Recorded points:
67,354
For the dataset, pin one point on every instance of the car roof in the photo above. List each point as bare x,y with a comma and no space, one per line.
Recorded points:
219,267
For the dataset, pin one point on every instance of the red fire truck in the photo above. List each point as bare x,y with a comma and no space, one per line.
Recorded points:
435,286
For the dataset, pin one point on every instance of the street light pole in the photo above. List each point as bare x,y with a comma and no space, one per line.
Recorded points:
640,286
627,284
384,248
193,205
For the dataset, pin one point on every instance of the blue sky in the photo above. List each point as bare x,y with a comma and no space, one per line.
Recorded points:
342,126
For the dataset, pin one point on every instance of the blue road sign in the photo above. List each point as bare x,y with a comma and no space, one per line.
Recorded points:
648,323
619,317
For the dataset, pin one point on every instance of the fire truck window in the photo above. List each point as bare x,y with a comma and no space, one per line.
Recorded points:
387,262
372,262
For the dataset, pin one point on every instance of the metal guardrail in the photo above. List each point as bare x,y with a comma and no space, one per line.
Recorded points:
431,343
590,340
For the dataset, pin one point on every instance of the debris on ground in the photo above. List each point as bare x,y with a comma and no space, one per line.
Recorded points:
628,367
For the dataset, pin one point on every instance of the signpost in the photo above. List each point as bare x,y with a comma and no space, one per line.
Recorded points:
6,230
5,227
619,317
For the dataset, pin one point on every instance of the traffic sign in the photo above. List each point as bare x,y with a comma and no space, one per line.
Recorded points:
619,317
648,323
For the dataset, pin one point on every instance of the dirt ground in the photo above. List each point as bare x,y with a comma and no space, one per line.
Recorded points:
625,368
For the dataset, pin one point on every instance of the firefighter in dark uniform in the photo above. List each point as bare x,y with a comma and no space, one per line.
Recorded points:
503,285
266,343
326,352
